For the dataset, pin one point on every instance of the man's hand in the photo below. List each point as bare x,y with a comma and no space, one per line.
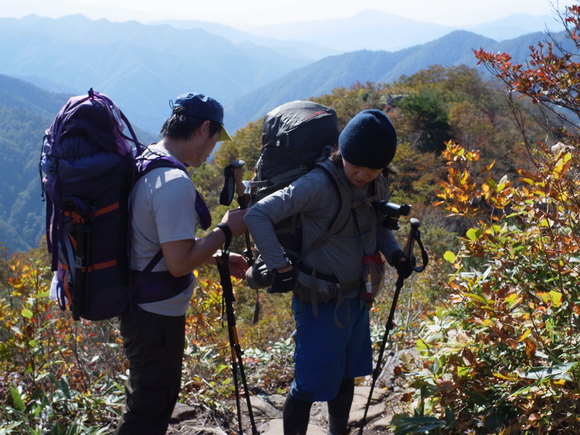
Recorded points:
235,220
238,265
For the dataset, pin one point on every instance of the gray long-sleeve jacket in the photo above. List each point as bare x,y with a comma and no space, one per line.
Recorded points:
314,195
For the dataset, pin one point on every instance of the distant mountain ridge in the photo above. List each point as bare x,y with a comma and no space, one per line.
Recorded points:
369,29
517,25
144,66
290,47
376,30
363,66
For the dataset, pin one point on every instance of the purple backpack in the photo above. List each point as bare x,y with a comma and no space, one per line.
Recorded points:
88,166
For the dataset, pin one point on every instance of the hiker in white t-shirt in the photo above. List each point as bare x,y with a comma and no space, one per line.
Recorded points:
166,209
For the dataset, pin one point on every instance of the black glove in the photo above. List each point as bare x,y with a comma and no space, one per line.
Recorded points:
258,276
404,265
283,282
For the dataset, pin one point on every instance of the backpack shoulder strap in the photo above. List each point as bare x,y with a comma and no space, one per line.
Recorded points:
344,195
146,164
344,210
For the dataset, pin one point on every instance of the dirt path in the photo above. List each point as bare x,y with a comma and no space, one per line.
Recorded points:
267,411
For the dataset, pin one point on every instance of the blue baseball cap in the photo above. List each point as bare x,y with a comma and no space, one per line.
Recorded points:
201,106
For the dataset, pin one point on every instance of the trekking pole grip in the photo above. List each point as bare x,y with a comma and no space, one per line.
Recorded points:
415,224
415,236
239,183
243,201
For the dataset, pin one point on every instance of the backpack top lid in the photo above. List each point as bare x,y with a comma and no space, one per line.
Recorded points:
96,118
295,135
282,122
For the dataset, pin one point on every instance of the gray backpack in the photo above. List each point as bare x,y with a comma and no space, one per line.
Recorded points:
296,137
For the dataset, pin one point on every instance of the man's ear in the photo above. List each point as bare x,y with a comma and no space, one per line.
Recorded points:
202,130
205,128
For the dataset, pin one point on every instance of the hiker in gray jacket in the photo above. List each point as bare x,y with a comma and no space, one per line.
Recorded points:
338,273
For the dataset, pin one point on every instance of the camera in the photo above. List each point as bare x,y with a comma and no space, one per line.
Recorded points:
391,213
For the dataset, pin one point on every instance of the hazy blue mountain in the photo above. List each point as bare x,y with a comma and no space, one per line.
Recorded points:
366,30
375,30
287,48
370,29
516,25
363,66
142,66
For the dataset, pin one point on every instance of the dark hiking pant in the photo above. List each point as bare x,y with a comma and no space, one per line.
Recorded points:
154,347
296,415
296,412
339,408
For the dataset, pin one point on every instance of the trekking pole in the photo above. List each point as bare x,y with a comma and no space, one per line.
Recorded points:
414,236
243,200
233,183
237,362
233,176
228,299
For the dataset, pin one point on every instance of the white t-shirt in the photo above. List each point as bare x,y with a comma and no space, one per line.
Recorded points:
162,210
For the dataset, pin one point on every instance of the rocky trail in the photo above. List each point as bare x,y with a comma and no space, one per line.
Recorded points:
267,411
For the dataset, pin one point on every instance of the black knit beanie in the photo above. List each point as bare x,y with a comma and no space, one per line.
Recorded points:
369,139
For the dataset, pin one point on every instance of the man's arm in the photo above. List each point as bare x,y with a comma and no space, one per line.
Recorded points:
182,256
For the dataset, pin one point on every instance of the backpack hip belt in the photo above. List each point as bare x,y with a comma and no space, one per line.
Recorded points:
157,286
312,287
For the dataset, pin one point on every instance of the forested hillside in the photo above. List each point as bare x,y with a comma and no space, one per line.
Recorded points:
485,340
25,112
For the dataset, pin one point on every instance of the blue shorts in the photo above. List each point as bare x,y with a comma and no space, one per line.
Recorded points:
325,353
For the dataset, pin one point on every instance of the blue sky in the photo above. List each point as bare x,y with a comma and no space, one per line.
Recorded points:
248,13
